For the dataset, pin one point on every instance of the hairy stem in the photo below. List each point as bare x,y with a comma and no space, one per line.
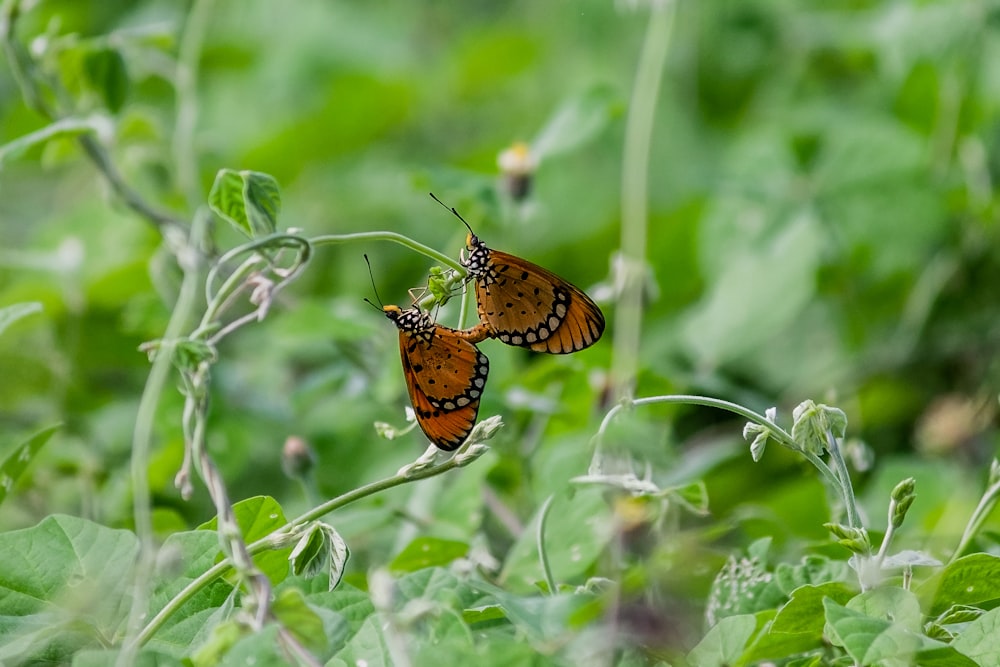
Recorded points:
142,437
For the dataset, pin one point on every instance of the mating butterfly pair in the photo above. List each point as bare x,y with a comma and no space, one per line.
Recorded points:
520,303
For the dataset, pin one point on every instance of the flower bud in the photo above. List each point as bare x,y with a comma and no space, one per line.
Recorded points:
297,457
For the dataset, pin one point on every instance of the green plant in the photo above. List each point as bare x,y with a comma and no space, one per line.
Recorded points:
806,209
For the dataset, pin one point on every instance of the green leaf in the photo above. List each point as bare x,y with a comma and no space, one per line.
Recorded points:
935,630
759,293
263,202
435,584
811,422
742,586
542,619
145,658
863,151
183,558
959,613
724,644
258,517
869,640
768,646
426,552
248,200
368,645
970,580
803,613
576,122
352,605
339,554
66,586
326,603
485,615
17,311
105,71
320,545
431,638
891,604
945,656
237,647
309,554
18,461
761,434
980,640
813,570
292,611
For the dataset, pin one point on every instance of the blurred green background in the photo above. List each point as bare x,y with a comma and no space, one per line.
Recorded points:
822,224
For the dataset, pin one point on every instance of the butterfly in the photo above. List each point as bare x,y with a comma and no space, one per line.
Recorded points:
526,305
445,374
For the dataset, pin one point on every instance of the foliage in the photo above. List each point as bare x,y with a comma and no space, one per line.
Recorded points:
770,201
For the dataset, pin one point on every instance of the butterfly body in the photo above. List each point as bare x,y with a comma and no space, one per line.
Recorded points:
445,374
525,305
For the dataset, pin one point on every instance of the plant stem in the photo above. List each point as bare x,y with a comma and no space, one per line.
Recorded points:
979,515
890,532
186,94
543,557
142,437
635,186
844,481
331,239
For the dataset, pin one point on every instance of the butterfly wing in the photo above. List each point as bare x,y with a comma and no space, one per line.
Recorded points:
528,306
445,377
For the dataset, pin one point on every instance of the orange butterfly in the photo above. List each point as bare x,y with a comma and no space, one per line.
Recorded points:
526,305
445,374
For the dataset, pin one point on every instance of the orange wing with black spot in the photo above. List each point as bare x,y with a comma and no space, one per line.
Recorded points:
445,374
528,306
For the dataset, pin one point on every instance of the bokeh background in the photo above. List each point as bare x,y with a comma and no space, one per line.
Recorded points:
822,225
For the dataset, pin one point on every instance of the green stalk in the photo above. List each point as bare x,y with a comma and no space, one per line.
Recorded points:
332,239
543,557
635,194
142,437
983,509
186,93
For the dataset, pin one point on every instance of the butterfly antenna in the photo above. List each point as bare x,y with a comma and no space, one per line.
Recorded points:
452,209
374,289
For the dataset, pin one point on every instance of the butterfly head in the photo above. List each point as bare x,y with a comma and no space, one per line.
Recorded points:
477,255
409,319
